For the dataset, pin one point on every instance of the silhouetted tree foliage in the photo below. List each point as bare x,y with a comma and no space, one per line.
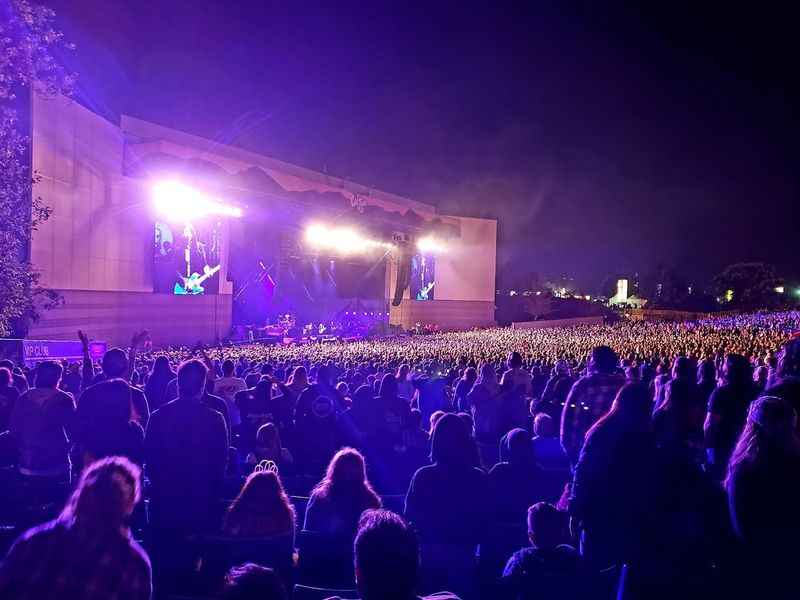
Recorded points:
28,45
753,285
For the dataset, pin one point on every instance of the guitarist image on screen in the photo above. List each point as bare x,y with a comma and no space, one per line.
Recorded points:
194,266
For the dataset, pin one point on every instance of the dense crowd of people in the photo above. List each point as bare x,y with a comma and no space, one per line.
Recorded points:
644,459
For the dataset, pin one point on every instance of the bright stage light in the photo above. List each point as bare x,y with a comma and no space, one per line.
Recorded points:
429,245
177,201
342,240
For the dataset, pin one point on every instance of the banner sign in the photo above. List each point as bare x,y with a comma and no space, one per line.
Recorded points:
35,351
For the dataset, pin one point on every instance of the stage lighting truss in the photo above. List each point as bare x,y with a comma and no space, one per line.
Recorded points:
430,245
175,201
342,240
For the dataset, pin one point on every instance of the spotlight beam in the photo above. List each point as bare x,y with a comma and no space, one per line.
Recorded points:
342,240
177,201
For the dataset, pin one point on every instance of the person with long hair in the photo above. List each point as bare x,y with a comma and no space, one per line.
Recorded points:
609,494
262,508
156,388
88,551
678,421
763,485
336,503
727,411
448,504
268,446
448,500
785,382
463,388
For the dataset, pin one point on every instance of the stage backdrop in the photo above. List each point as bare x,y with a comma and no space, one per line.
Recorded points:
97,248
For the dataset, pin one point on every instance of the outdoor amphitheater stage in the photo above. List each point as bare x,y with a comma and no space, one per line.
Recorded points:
120,265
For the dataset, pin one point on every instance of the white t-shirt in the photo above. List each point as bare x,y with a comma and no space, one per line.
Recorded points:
226,388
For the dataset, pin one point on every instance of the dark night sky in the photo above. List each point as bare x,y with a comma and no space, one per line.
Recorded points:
604,138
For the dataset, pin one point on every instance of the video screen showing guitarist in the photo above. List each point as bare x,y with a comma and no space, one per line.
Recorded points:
187,260
423,277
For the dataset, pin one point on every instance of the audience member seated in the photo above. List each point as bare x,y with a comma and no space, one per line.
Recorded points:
517,482
268,447
262,508
253,582
547,448
548,568
336,503
87,552
387,559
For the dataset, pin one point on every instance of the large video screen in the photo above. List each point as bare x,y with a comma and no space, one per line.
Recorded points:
423,277
187,257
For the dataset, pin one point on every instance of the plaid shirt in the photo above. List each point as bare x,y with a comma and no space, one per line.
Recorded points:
56,561
589,399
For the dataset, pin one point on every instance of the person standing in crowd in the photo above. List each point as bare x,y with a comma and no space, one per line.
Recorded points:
103,425
763,484
226,387
395,410
387,559
678,422
156,388
609,499
727,412
186,450
336,503
463,388
516,374
556,391
87,552
19,380
590,398
116,364
42,423
8,397
706,380
405,389
484,400
448,503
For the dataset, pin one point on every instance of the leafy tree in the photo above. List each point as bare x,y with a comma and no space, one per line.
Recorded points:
28,45
749,285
